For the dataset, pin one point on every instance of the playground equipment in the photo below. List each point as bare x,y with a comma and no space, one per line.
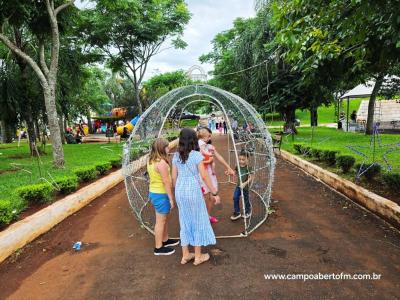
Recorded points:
251,135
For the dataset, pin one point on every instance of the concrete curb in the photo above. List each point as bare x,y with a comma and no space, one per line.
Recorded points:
381,206
23,232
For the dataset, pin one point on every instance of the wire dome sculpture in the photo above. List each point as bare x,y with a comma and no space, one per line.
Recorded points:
246,131
201,76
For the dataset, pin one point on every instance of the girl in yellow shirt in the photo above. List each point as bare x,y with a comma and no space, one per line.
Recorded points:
161,196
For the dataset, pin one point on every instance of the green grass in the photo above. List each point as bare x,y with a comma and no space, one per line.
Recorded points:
326,114
17,168
337,140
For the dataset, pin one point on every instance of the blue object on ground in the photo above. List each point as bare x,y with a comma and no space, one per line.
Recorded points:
134,120
77,246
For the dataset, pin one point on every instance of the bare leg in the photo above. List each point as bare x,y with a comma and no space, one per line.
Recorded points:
186,255
209,203
165,233
161,221
199,258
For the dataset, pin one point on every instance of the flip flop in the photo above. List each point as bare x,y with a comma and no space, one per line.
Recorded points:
203,258
184,261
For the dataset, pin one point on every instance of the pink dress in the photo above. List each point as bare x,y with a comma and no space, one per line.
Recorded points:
213,177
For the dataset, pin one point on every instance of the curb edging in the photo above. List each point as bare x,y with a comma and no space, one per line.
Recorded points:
379,205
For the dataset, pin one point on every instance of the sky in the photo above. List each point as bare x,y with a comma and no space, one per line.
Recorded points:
209,17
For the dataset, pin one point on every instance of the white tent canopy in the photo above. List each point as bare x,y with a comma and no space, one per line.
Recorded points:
364,90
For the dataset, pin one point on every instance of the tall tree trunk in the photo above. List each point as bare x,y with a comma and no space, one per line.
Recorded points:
371,104
52,116
138,101
7,132
289,115
37,129
314,116
62,129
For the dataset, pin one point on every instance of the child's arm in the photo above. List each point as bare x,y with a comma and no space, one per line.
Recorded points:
174,175
248,182
207,181
229,170
162,168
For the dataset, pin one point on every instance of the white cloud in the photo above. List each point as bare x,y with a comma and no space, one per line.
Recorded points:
209,17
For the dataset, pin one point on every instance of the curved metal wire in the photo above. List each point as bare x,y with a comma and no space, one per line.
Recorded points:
251,135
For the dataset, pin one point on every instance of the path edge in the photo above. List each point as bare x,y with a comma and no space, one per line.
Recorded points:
25,231
384,208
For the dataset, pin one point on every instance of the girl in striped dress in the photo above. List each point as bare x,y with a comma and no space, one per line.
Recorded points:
187,169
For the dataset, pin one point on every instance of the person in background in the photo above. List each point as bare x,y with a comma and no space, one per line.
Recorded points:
353,116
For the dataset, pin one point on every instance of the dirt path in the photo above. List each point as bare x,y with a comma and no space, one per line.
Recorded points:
313,230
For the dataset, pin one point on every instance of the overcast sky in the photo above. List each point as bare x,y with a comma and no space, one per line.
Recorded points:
209,17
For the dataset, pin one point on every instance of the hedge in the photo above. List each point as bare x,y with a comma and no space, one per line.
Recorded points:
7,212
85,174
392,180
329,157
368,170
345,162
102,168
116,163
67,184
36,193
316,153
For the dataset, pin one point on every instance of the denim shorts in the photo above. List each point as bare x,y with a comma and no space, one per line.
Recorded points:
160,202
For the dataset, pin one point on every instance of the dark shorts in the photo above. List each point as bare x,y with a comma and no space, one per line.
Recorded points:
160,202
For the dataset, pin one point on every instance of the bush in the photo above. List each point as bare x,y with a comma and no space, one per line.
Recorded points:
68,184
392,180
7,212
298,148
345,162
102,168
369,171
116,163
85,174
329,157
36,193
306,150
134,154
316,153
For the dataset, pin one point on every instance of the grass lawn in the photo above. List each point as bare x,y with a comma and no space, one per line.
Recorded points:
17,168
332,139
326,114
337,140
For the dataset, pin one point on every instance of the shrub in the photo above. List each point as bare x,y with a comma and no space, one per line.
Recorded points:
85,174
392,180
7,212
298,148
369,171
345,162
67,184
36,193
316,153
102,168
116,163
329,157
306,151
134,153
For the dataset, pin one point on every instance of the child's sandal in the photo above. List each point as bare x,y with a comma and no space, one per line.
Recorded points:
184,261
203,258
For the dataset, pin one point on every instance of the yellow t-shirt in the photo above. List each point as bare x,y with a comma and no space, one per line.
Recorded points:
156,183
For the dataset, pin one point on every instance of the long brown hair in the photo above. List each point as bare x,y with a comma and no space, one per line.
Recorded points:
188,141
158,151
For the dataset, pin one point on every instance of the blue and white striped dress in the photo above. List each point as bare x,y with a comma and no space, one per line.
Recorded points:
195,225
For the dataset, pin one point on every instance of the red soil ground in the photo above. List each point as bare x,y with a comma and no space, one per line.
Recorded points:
313,230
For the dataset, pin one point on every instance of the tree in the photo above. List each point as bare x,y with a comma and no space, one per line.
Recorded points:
161,84
362,34
130,33
28,14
